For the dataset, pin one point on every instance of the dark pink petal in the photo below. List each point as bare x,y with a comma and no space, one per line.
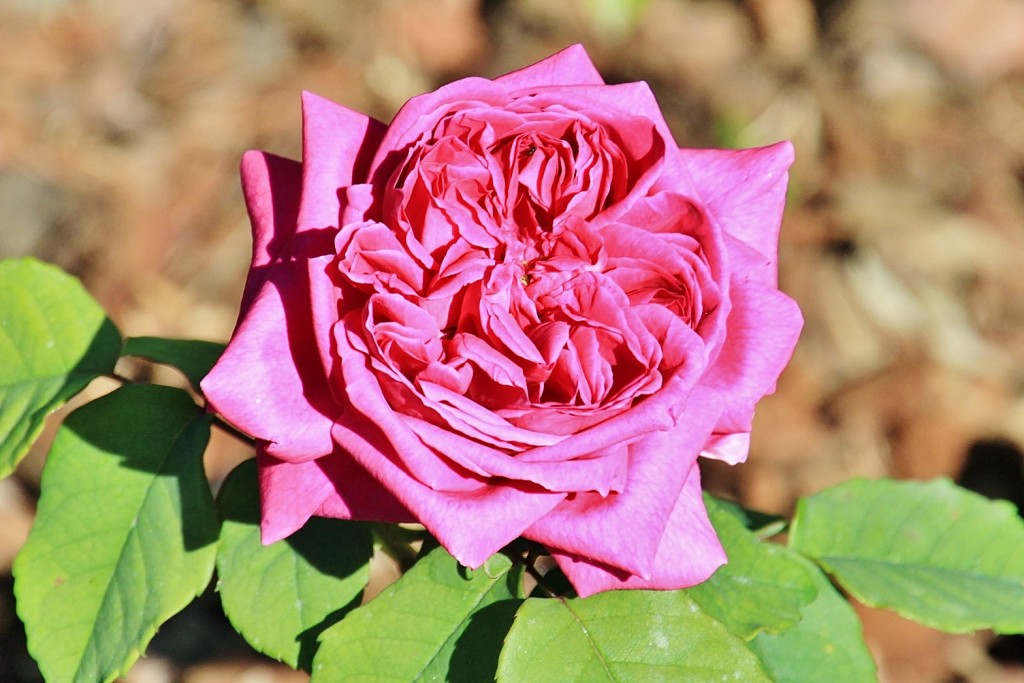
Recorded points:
291,493
422,113
370,255
571,66
743,192
368,404
625,530
688,553
337,145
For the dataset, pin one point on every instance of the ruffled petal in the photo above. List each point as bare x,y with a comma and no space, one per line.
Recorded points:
471,524
688,552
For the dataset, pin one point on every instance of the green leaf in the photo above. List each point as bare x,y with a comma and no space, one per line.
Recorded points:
125,533
438,622
54,340
933,552
280,597
762,588
192,357
827,644
623,636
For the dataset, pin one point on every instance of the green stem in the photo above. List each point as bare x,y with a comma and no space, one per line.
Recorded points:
393,541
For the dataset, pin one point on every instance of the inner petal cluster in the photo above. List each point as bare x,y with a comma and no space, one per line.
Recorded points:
485,280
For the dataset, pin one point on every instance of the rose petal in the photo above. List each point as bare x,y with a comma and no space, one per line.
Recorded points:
729,448
291,493
337,145
364,392
688,553
625,530
421,113
602,471
272,186
658,412
571,66
269,382
471,524
762,331
743,192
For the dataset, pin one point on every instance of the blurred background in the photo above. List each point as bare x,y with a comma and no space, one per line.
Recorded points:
122,124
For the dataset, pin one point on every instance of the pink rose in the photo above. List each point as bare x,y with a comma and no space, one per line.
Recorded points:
518,310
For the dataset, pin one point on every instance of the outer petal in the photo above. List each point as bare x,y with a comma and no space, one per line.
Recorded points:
604,471
743,192
571,66
762,331
337,145
473,524
268,383
625,530
291,493
689,552
729,448
272,186
635,99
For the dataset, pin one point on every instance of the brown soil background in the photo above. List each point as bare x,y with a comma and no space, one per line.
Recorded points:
122,123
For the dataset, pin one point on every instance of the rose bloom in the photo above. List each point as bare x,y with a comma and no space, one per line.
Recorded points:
517,310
